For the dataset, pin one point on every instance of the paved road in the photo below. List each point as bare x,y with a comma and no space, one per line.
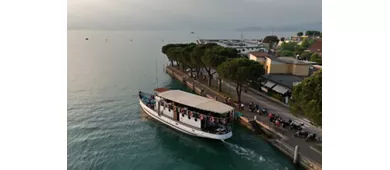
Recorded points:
272,106
264,101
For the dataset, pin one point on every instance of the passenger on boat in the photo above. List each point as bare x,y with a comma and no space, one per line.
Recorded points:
140,94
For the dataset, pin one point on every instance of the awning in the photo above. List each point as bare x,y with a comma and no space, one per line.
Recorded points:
280,89
269,84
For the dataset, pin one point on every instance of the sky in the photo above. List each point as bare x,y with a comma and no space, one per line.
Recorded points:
193,15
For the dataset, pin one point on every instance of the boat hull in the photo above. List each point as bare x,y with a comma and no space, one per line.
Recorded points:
181,127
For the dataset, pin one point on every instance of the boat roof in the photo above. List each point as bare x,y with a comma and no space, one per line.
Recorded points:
196,101
160,90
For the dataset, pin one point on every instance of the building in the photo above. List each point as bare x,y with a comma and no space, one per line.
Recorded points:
314,68
282,73
259,57
281,84
287,65
316,47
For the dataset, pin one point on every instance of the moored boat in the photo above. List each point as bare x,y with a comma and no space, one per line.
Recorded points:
189,113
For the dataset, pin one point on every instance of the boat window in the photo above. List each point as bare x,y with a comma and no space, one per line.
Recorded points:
196,119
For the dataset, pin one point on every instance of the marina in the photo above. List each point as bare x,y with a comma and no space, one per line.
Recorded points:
244,46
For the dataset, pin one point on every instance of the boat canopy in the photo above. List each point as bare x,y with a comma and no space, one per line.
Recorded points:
196,101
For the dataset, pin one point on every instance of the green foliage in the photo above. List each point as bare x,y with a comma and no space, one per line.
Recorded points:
271,39
195,56
312,33
289,49
282,39
290,46
211,60
223,51
306,43
305,55
316,58
286,53
299,34
241,71
307,98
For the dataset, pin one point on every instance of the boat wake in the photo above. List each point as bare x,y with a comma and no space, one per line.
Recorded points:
245,152
251,155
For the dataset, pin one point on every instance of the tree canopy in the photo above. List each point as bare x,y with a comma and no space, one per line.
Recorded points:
208,56
299,34
271,39
307,98
306,43
290,46
316,58
240,71
312,33
288,49
286,53
305,55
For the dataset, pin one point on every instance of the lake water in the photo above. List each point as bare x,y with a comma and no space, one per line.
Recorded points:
108,130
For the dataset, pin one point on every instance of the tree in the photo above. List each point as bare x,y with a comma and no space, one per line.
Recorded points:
196,56
271,39
227,53
307,98
315,57
282,39
184,56
305,55
299,34
172,51
286,53
305,44
290,46
240,71
312,33
173,54
212,59
165,49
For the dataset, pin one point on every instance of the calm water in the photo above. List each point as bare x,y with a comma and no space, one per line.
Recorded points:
108,130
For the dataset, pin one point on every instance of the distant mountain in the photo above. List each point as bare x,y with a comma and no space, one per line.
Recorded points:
287,28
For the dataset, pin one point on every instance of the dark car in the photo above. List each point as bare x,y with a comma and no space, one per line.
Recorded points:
264,110
302,134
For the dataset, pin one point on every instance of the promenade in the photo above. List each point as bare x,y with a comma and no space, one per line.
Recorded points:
286,139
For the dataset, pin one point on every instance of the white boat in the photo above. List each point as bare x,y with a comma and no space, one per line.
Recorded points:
189,113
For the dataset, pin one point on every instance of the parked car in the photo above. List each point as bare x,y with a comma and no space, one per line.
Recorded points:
302,134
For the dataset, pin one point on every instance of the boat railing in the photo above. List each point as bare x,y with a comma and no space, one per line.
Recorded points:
147,98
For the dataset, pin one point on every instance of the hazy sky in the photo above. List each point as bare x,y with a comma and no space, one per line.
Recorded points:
192,14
